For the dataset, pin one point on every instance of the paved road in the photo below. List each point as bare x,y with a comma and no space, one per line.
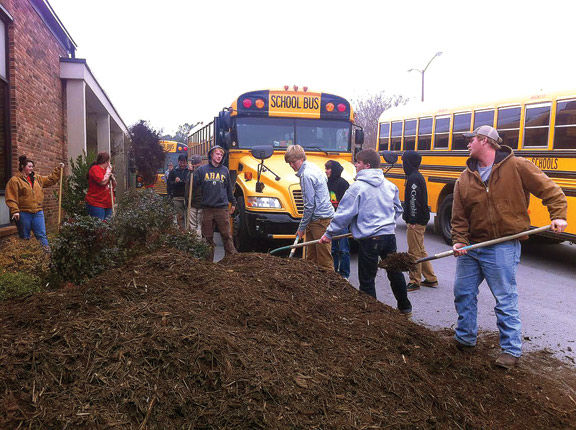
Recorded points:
547,289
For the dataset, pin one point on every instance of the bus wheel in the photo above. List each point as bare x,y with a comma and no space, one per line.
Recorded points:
444,215
242,240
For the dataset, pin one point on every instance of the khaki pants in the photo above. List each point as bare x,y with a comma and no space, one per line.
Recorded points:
415,239
180,208
319,253
221,218
195,220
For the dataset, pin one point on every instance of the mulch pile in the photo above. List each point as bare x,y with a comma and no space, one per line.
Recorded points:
252,342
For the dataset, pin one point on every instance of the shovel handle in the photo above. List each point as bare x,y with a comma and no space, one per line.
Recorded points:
293,251
312,242
487,243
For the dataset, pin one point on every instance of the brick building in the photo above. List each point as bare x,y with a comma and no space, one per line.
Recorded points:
51,106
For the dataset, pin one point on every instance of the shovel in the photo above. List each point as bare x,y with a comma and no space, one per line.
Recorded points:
403,261
312,242
294,249
60,197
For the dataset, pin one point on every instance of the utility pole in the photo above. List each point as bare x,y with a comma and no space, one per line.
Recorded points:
424,71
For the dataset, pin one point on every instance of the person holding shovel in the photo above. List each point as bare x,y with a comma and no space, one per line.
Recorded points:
318,210
193,197
25,196
100,182
490,201
370,208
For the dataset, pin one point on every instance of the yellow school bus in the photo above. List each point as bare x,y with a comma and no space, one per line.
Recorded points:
541,128
172,150
256,130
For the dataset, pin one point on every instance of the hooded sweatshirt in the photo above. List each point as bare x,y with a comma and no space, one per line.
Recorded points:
213,182
415,194
337,185
370,207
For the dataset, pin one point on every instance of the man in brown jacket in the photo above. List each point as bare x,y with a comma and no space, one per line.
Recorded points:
490,201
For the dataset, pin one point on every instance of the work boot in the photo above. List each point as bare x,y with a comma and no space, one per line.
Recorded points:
506,361
412,287
464,347
406,312
429,284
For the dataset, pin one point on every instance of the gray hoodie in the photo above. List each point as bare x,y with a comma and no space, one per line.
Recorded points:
370,207
314,185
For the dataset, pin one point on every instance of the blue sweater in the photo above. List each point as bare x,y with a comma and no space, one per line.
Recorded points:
314,185
370,207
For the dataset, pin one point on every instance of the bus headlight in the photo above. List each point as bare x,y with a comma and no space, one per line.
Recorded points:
263,202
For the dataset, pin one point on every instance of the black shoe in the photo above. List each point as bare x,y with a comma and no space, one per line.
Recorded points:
412,287
464,347
406,312
429,284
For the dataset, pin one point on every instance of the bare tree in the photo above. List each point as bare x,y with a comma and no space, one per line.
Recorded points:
369,109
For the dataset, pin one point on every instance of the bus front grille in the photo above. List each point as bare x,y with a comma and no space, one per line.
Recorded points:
298,201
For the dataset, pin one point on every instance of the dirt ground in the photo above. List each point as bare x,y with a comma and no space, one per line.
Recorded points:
254,341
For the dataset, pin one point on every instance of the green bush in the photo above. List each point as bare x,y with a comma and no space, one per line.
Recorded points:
84,248
75,186
14,284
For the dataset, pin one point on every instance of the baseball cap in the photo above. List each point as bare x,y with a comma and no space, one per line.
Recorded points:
487,131
196,159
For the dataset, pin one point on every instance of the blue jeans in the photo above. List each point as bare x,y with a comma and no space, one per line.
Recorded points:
96,212
341,256
33,222
368,252
497,264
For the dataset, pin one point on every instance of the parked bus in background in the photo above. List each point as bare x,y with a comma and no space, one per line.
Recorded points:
541,128
172,150
255,131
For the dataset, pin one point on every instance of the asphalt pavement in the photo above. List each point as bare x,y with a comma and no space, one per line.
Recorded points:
546,284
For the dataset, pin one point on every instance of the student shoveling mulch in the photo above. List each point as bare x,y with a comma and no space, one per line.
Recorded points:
255,341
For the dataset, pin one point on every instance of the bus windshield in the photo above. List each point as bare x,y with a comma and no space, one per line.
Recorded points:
311,134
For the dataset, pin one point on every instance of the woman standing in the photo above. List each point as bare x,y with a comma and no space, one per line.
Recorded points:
100,179
24,198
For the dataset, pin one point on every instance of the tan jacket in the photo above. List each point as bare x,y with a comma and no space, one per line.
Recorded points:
21,197
483,212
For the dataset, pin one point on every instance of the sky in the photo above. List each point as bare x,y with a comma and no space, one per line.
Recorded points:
180,61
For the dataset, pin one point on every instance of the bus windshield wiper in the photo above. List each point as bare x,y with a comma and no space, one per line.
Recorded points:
316,147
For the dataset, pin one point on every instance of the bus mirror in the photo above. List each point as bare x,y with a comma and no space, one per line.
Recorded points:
359,137
262,152
225,120
389,156
227,139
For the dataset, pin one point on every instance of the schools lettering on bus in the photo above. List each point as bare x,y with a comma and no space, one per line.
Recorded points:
545,163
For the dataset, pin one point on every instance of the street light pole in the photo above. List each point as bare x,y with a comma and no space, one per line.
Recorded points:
424,71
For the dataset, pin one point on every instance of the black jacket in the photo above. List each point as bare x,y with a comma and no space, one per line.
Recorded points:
196,192
215,185
415,194
176,189
337,185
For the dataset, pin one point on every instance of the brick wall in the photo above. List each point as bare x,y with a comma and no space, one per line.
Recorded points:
37,99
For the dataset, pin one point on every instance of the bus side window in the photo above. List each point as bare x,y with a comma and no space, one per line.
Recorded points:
410,135
483,117
461,125
396,136
565,129
509,125
442,132
384,136
536,125
425,134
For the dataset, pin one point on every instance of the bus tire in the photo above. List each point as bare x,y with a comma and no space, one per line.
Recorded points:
242,240
444,216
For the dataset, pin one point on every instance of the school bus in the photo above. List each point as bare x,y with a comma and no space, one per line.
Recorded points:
172,150
541,128
256,130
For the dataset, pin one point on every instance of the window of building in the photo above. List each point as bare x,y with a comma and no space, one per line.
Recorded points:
461,125
536,125
383,136
483,117
410,135
442,132
396,136
509,125
425,134
565,129
5,170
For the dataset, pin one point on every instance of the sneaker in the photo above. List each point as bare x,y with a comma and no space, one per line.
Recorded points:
412,286
464,347
429,284
506,361
406,312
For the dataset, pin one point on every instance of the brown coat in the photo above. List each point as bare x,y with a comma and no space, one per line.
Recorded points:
21,197
483,212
